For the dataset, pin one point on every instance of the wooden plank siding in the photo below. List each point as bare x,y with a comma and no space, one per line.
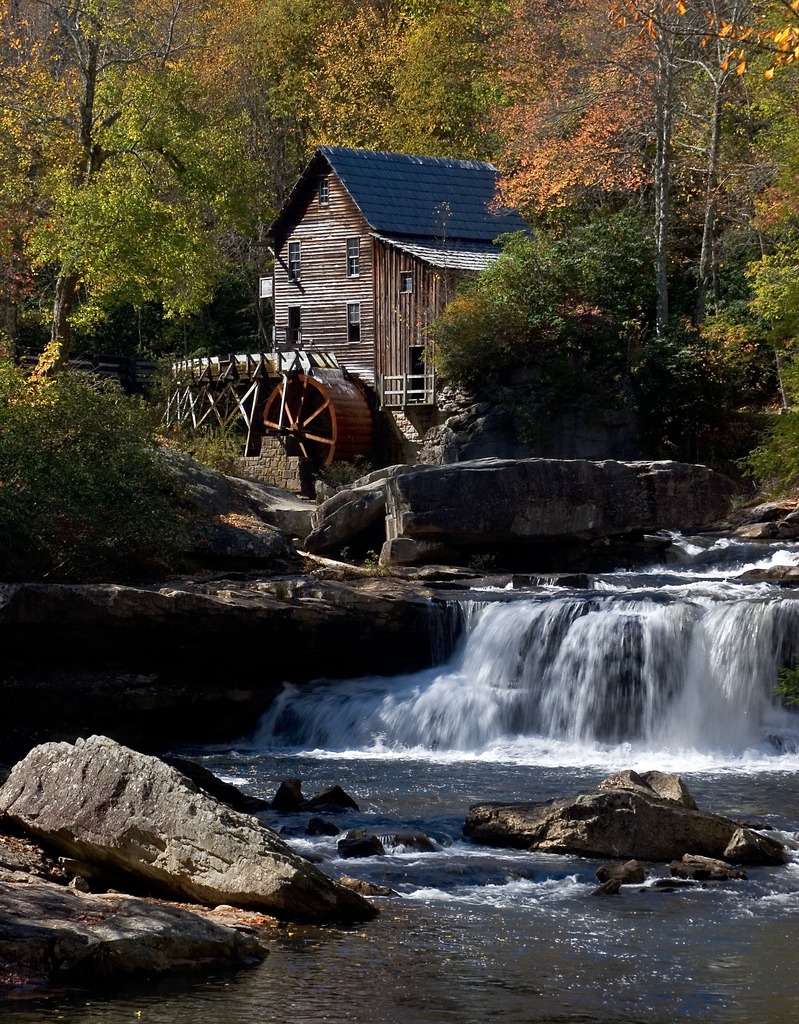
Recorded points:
402,319
324,288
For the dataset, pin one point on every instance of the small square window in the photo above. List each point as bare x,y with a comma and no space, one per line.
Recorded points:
353,257
406,283
294,261
353,322
324,192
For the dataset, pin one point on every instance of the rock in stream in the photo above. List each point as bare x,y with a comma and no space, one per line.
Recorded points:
101,803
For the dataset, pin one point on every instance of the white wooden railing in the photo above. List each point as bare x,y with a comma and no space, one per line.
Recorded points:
403,389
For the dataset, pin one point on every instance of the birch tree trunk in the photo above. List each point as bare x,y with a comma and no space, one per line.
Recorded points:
707,256
665,89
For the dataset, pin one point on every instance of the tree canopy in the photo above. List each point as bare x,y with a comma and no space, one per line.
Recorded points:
148,143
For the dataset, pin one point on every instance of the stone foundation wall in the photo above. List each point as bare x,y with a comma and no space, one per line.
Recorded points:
273,466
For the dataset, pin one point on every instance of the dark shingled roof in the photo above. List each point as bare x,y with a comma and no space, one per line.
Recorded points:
416,196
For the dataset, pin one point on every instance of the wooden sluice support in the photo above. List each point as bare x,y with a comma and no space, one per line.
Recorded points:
258,390
216,391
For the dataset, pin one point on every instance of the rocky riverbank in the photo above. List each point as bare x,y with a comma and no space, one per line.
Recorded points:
127,831
200,658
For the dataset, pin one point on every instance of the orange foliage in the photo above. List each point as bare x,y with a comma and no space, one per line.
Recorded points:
581,103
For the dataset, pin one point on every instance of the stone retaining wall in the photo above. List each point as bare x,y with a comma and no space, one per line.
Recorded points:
273,466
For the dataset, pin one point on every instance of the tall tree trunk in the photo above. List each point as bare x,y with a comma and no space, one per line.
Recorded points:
61,335
662,184
90,160
707,259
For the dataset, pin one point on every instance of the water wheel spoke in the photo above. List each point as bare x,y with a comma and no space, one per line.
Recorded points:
316,413
271,424
317,437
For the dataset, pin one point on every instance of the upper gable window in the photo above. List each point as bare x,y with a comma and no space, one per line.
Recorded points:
324,191
294,261
353,257
406,283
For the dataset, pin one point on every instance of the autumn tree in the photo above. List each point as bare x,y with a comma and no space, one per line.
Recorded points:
626,102
130,171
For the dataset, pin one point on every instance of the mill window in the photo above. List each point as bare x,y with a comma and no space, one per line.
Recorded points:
353,257
324,192
353,322
406,283
294,261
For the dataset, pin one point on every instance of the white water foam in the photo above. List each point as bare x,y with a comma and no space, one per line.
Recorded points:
508,894
586,680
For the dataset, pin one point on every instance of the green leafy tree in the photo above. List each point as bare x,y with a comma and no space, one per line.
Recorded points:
131,173
570,305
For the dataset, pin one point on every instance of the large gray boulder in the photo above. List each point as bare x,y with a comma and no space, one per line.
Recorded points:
99,802
351,510
235,522
434,512
628,819
49,933
209,492
345,515
507,501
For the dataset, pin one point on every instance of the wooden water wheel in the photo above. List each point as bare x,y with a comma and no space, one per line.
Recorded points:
323,419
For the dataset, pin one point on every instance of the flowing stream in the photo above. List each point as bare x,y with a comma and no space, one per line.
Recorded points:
545,693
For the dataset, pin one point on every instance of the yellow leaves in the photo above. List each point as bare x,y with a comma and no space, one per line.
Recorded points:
769,73
681,8
43,371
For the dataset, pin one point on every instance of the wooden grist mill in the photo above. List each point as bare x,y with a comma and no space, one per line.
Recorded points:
301,397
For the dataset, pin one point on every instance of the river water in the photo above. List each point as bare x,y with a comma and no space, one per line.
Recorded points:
545,694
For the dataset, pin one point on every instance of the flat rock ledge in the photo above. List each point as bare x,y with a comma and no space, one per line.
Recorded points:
650,816
135,817
191,661
50,934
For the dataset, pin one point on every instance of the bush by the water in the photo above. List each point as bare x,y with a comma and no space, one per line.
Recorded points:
774,463
218,449
84,494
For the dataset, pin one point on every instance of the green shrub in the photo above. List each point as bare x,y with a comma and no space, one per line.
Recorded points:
788,686
84,494
569,305
342,474
218,449
774,463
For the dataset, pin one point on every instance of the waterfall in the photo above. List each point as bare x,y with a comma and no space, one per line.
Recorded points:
676,670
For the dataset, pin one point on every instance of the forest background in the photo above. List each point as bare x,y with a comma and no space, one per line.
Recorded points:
652,145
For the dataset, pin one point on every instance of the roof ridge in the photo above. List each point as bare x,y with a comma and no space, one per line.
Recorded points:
419,158
421,196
